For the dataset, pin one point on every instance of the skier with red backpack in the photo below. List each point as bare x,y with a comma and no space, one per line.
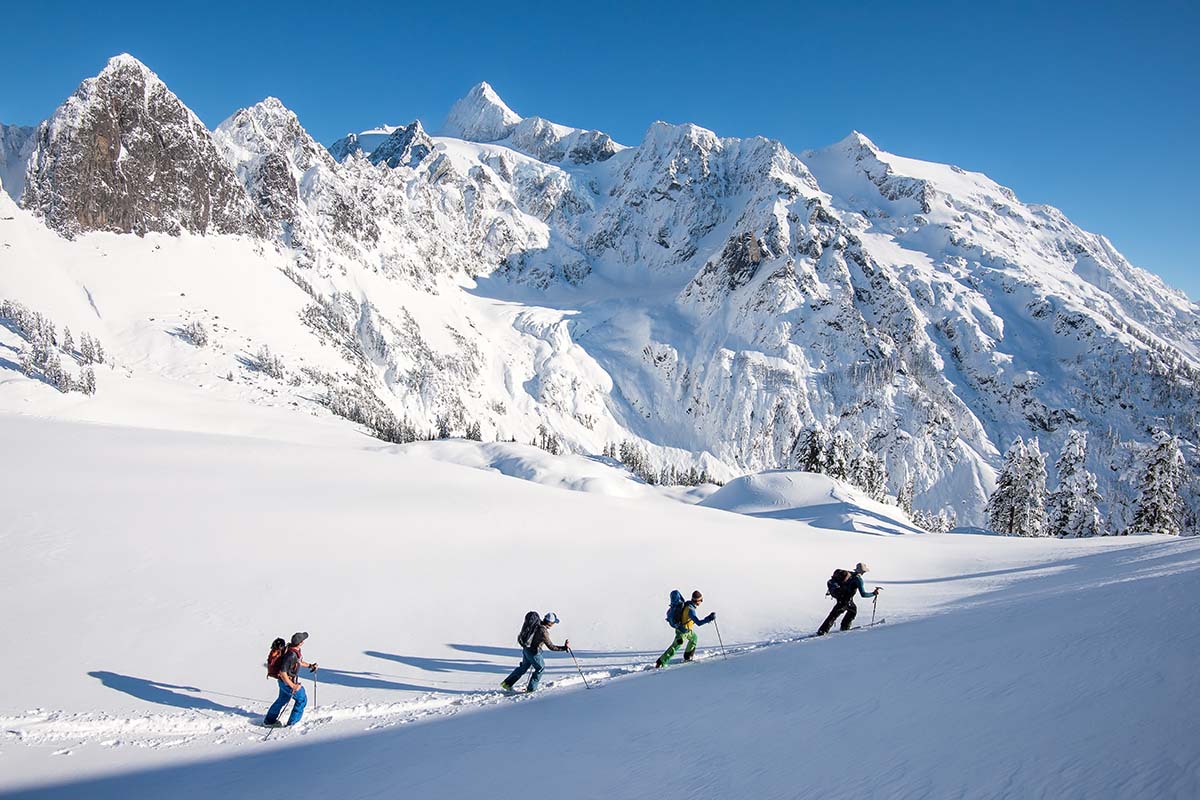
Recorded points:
535,634
842,587
283,663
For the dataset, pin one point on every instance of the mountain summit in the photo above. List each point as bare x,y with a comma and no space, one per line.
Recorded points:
124,154
480,116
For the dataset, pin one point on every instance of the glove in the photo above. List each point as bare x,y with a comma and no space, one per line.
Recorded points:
878,589
567,644
712,616
312,667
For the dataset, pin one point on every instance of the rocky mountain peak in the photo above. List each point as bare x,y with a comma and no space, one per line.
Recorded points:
406,147
480,116
124,154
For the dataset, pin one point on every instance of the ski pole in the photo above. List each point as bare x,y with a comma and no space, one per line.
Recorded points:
874,603
314,690
719,639
576,660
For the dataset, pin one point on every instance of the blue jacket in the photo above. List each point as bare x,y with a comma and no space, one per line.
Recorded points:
862,590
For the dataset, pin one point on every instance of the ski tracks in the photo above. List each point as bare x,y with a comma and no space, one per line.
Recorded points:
66,731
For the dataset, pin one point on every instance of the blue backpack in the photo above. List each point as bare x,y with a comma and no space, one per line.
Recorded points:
675,610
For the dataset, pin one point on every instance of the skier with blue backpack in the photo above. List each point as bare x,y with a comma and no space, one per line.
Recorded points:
683,617
534,635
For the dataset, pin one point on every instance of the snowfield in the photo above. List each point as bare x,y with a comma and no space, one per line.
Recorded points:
146,571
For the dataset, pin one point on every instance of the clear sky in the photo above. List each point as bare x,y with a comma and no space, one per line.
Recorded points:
1090,106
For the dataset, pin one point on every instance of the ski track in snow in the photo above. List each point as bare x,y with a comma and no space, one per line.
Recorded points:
42,728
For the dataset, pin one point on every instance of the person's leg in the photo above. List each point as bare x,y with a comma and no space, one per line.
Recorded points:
670,652
273,712
521,669
539,664
838,608
851,613
298,707
690,652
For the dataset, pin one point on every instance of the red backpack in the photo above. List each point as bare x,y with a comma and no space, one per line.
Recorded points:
279,649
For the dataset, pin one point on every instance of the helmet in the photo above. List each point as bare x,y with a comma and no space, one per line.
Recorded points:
861,568
550,618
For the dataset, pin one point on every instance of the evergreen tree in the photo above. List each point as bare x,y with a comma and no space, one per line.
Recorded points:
839,456
904,497
68,341
814,451
87,381
1161,476
1072,509
87,349
1031,512
474,432
1002,505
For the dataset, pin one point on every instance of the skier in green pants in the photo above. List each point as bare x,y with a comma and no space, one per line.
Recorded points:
684,620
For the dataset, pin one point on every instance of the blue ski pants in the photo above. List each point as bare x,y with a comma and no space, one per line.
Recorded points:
285,694
529,658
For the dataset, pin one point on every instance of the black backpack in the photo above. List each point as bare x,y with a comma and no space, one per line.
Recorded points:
839,585
532,620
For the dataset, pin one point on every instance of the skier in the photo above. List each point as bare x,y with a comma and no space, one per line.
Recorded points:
842,586
531,652
684,632
289,685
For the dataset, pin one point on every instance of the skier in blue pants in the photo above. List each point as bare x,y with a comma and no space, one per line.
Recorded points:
289,685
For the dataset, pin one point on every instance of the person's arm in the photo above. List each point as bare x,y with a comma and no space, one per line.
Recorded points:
551,645
862,590
697,620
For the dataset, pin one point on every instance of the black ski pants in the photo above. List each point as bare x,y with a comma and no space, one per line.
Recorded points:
843,606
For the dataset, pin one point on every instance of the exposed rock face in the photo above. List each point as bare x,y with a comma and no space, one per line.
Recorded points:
123,154
16,146
406,146
345,147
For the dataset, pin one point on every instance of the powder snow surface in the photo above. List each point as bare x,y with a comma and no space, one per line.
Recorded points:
146,571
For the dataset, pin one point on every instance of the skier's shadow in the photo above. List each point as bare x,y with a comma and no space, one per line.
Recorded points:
374,680
165,694
512,652
444,664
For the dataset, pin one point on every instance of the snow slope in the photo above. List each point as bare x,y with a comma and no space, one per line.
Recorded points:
816,499
153,568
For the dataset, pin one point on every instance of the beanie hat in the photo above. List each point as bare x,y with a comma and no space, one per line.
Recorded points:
861,568
697,596
298,638
550,618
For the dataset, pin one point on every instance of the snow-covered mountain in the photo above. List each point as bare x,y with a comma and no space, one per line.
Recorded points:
123,154
710,299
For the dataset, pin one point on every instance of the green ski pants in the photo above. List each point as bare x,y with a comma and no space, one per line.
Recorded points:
680,637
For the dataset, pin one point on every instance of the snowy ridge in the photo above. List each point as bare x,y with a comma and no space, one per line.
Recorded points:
711,300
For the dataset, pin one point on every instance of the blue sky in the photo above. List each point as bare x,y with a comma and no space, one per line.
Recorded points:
1093,107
